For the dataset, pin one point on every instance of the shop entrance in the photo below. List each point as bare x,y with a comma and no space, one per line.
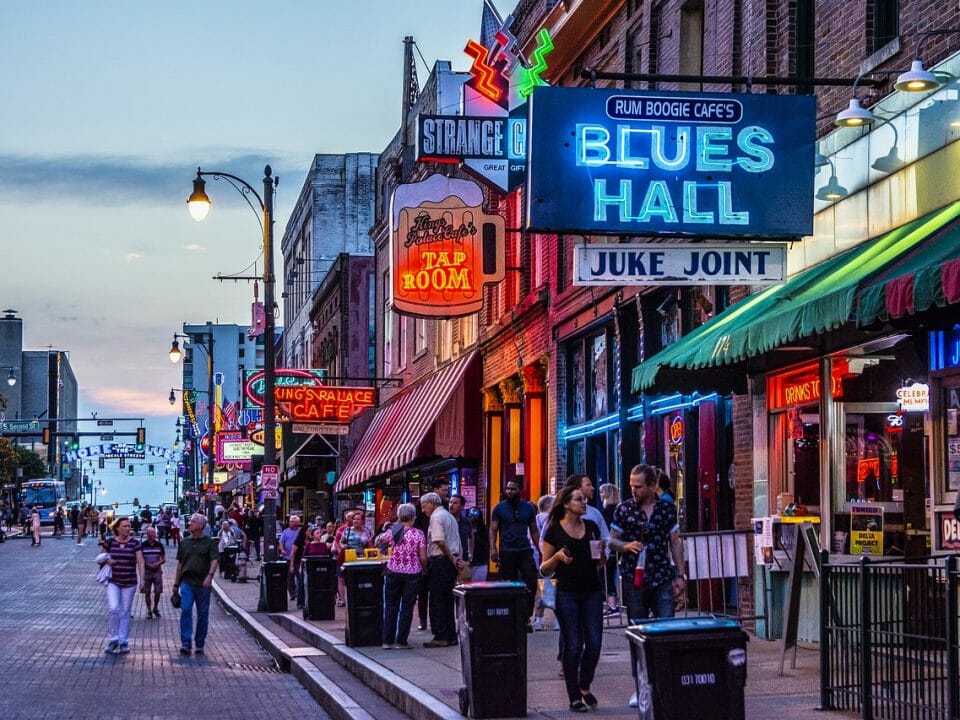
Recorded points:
880,502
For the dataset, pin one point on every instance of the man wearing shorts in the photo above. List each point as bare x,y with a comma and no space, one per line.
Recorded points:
153,559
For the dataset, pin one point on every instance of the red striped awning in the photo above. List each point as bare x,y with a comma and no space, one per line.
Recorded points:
399,426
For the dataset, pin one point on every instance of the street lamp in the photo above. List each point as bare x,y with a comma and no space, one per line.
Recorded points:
11,375
175,355
199,206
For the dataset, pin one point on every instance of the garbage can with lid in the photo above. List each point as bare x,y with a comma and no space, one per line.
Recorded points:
320,588
689,668
363,580
273,586
492,630
228,562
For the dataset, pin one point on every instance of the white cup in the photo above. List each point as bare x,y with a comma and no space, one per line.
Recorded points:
596,549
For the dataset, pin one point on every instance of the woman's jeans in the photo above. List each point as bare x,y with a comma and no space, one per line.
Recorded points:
190,595
581,632
399,594
119,605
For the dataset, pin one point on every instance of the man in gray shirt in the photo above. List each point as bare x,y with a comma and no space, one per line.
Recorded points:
444,560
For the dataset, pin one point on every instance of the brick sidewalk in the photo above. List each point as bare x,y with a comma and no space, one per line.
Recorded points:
53,615
437,671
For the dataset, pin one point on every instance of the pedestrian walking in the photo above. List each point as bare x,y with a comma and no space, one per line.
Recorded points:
59,521
74,519
35,526
515,521
610,499
126,565
443,564
645,533
253,527
163,526
197,560
405,568
546,590
175,528
154,556
573,552
480,555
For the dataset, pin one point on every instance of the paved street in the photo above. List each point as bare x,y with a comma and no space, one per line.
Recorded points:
53,620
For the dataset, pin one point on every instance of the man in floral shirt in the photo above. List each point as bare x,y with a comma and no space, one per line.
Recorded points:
648,523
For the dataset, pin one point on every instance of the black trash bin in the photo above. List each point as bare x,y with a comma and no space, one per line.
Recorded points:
689,668
228,562
273,586
492,630
320,588
363,580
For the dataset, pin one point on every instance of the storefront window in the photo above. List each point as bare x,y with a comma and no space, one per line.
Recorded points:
600,387
578,389
951,405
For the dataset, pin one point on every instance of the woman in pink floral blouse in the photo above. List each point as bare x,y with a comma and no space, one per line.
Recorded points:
407,563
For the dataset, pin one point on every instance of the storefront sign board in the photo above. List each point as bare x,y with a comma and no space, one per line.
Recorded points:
632,162
445,248
866,529
652,264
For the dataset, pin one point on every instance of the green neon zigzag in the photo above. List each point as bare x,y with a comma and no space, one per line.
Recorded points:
531,76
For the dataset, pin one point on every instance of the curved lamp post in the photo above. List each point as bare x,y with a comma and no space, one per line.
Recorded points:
199,206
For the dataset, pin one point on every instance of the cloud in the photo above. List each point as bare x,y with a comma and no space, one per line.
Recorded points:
193,247
108,179
132,257
137,401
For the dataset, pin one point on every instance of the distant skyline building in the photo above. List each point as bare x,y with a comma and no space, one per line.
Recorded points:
332,216
46,389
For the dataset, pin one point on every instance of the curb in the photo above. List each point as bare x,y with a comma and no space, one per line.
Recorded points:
294,660
401,693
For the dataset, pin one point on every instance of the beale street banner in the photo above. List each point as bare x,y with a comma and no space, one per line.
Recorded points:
445,248
687,264
632,162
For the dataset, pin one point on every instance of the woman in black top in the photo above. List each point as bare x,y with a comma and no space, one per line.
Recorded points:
565,547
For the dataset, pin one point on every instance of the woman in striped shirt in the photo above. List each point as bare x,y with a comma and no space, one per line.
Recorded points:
126,563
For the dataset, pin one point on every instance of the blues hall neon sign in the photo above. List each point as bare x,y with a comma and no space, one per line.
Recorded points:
639,163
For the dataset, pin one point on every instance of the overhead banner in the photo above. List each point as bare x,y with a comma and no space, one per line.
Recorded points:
445,248
652,264
634,162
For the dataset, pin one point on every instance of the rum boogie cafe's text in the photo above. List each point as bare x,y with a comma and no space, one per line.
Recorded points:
687,264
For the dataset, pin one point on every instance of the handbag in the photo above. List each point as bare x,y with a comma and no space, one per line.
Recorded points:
464,574
175,598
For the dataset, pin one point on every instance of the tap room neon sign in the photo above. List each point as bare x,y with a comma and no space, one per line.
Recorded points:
627,162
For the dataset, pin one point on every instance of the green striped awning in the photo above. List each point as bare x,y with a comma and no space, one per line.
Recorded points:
816,300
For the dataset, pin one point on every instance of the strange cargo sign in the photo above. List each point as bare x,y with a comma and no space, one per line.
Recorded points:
687,264
623,162
445,248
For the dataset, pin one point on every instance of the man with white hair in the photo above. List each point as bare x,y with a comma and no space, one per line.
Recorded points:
197,560
444,553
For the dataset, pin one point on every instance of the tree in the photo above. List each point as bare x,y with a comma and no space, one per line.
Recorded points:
33,465
8,460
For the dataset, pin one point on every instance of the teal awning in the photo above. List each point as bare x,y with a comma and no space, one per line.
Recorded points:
816,300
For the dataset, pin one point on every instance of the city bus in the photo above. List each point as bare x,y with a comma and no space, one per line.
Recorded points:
44,494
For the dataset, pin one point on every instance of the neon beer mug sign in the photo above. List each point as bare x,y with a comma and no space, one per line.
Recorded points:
621,162
445,248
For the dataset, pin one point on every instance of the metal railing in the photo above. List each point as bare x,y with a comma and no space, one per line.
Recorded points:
719,572
888,638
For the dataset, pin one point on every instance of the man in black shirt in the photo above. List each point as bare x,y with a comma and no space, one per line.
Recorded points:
515,520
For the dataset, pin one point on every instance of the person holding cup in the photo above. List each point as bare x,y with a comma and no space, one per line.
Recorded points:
572,551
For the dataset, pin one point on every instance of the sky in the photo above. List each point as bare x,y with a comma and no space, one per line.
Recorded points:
110,106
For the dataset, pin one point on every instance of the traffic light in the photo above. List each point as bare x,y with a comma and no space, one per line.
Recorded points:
136,502
46,436
74,442
141,438
116,504
101,463
130,470
149,469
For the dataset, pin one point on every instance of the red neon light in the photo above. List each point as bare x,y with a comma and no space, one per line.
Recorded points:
314,404
481,71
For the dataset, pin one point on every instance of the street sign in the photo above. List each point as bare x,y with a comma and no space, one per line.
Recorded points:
320,428
19,425
270,477
104,423
269,494
106,438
